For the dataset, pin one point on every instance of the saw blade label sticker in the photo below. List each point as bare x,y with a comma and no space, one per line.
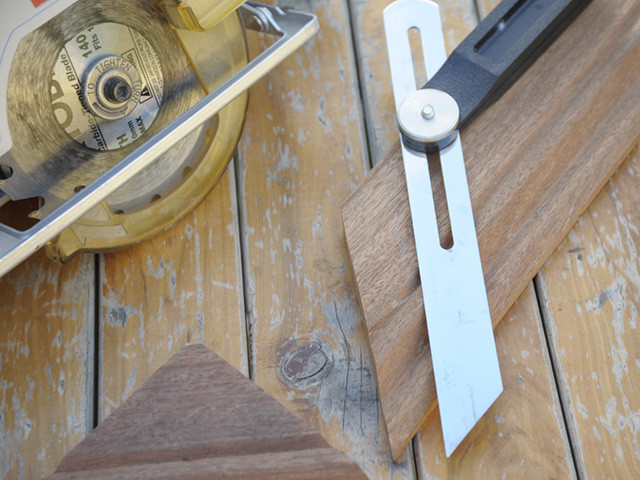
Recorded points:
107,86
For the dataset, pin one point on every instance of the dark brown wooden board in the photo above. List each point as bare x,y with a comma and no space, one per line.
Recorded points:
534,160
198,417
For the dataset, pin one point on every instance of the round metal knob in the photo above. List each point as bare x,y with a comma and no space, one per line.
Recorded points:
112,87
428,116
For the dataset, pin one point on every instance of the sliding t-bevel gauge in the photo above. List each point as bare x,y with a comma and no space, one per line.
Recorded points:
476,74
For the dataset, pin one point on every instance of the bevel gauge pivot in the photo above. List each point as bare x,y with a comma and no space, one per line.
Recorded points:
430,118
118,116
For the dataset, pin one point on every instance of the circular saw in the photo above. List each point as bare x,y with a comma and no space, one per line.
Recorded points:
118,116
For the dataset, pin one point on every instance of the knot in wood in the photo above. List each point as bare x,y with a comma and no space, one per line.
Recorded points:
302,364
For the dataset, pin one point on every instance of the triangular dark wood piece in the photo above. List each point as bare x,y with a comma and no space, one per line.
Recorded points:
197,417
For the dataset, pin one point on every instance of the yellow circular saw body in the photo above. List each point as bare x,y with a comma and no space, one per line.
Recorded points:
72,143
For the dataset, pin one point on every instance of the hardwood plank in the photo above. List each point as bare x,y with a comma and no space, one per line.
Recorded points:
303,151
523,434
458,19
197,417
182,286
591,298
46,363
528,187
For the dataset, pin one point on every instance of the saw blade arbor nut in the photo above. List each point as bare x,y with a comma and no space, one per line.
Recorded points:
428,120
112,88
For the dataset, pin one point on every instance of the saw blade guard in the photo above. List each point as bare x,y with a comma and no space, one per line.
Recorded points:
113,75
126,120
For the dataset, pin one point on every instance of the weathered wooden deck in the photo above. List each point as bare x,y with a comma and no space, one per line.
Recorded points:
259,272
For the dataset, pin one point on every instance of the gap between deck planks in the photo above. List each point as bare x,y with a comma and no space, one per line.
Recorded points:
46,363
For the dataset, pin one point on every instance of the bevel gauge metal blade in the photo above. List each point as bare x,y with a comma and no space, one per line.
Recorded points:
465,361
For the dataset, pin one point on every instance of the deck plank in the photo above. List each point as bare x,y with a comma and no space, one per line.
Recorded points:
591,299
182,286
302,152
523,434
46,363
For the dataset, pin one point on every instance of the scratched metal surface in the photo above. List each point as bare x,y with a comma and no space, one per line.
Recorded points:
259,273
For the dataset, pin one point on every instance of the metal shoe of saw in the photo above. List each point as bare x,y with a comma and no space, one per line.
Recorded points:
117,117
477,73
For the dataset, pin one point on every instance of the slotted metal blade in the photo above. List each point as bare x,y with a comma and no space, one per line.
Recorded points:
461,339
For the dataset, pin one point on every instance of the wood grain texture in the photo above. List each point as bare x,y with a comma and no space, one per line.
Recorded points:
590,292
183,286
523,434
534,160
46,363
302,152
197,417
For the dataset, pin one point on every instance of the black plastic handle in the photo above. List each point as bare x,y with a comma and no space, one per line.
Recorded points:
500,49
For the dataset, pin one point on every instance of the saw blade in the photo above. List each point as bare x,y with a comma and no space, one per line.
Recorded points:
59,146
